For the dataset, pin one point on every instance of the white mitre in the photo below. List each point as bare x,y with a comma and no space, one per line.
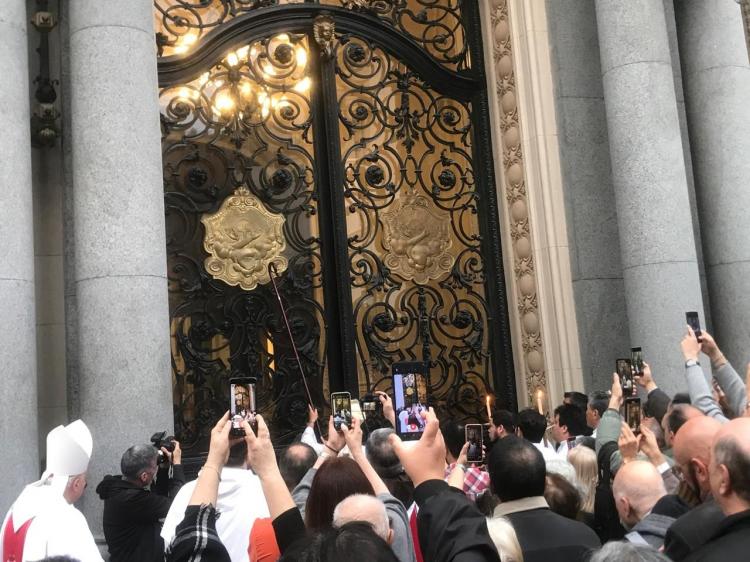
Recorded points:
68,450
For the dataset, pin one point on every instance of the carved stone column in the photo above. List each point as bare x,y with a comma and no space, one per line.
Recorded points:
657,245
716,78
122,387
18,394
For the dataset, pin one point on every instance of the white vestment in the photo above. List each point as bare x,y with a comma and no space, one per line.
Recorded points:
240,501
57,529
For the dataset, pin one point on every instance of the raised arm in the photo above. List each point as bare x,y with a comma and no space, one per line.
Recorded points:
207,486
700,393
728,379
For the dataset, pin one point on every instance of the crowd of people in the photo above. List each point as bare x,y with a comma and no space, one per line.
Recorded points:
584,485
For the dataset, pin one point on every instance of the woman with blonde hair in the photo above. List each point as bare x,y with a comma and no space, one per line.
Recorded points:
583,460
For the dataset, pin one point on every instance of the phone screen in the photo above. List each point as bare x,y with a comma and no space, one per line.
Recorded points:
692,320
410,399
636,357
341,403
625,372
475,452
633,414
241,403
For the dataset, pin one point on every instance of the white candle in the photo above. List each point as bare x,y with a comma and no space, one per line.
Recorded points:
539,395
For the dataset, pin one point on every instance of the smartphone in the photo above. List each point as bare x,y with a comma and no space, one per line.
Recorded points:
636,358
341,404
624,369
410,398
474,438
692,320
370,404
633,414
242,404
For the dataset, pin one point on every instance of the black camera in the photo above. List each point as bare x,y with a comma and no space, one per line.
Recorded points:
159,440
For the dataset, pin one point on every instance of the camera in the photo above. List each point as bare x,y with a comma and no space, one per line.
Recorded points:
159,440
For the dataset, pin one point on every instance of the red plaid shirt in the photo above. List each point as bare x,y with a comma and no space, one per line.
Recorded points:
476,480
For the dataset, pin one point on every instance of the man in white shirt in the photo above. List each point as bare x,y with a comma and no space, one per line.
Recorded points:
240,501
532,426
43,522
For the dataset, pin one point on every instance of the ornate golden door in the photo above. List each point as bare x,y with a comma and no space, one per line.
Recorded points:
347,144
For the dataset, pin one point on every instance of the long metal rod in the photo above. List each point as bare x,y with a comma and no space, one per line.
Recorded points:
273,274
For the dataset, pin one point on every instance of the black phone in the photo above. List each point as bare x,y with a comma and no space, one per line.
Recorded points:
633,414
474,438
370,404
624,369
341,404
410,398
242,405
636,358
692,320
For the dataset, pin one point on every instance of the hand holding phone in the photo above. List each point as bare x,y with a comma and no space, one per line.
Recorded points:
410,399
633,414
636,358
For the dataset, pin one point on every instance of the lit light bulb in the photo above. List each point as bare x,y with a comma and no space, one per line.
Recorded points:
246,89
232,59
185,93
262,96
303,85
266,108
185,42
301,57
253,52
242,52
203,79
224,102
283,37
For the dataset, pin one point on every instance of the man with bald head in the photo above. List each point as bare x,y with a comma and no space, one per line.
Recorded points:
730,485
642,502
361,507
692,456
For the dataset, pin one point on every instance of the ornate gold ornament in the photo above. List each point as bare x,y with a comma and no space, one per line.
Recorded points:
417,237
324,32
242,238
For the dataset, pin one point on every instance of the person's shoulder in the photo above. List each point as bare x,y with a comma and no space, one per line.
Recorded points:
570,527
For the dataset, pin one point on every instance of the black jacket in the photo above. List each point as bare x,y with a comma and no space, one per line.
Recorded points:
692,530
654,526
133,516
731,541
451,528
545,536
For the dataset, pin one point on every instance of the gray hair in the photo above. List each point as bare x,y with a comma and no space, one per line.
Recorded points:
381,455
366,508
137,459
627,552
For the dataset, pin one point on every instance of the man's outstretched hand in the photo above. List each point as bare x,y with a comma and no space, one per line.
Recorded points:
425,459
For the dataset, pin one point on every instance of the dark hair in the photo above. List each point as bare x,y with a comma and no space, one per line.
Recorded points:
336,479
353,541
295,461
237,454
681,398
137,459
563,498
599,401
454,436
532,424
577,399
677,417
516,468
572,417
737,461
504,418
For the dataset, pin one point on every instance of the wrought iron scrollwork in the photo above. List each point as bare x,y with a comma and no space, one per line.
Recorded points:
436,25
245,124
418,280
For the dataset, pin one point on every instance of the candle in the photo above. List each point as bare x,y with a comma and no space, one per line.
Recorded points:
539,396
489,412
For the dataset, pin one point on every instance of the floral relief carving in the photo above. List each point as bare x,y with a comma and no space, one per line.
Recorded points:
517,202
